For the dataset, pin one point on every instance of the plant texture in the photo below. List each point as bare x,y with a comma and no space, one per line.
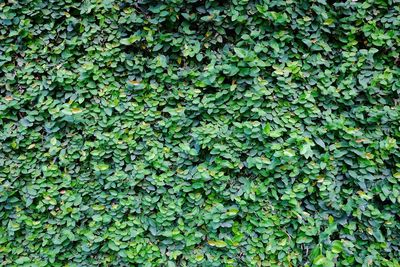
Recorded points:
199,133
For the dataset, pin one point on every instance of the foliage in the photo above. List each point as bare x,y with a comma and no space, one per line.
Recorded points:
199,133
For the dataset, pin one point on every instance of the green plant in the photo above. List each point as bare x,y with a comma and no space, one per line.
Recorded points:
199,133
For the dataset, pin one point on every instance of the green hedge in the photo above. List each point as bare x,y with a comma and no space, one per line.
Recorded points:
199,133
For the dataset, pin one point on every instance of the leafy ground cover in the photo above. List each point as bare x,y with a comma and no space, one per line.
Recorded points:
199,133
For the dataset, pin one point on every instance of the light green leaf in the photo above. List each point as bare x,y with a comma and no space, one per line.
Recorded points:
102,167
217,243
130,40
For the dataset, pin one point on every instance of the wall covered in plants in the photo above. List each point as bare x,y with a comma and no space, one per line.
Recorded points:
199,133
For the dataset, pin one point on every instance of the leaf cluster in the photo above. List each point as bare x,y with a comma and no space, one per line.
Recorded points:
199,133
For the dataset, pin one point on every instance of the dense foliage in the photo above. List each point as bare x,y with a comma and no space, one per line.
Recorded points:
199,133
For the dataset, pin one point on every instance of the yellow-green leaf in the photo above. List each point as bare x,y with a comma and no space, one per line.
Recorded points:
217,243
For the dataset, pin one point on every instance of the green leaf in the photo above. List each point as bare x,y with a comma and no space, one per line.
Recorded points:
217,243
102,167
240,52
319,260
130,40
306,150
267,128
199,257
113,246
378,235
319,142
76,110
337,246
22,260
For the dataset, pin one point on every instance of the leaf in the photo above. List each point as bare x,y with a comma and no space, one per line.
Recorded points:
113,246
199,257
76,110
329,21
22,260
337,246
53,141
134,83
304,239
130,40
378,235
267,128
66,112
102,167
240,52
306,150
319,142
217,243
319,260
26,122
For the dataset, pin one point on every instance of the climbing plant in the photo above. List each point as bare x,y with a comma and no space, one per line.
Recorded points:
199,133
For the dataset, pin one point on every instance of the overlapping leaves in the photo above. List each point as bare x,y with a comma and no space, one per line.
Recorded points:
199,133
